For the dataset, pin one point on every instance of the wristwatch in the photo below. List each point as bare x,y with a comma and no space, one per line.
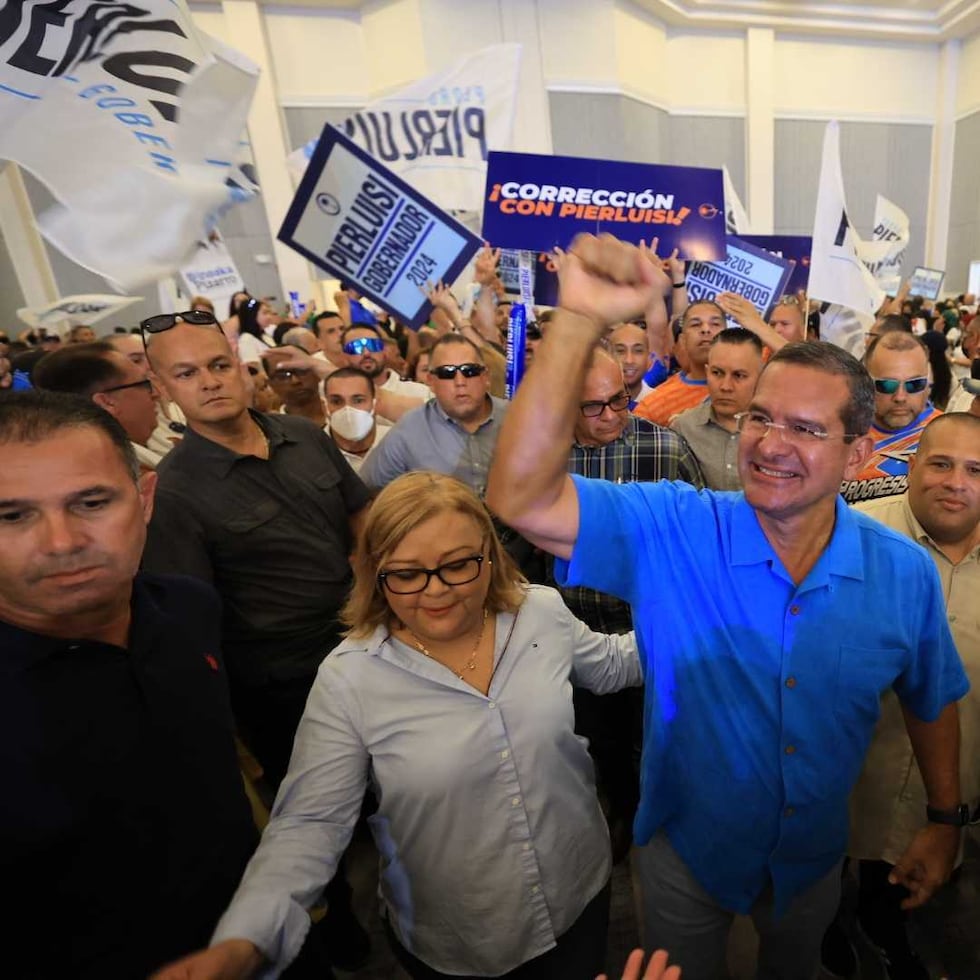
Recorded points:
958,816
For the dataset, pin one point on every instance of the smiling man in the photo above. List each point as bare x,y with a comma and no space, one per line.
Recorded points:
760,705
898,363
113,713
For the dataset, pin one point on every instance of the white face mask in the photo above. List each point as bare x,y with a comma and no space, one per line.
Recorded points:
352,423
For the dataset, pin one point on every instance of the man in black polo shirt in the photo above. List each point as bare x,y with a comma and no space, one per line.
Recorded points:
264,507
123,820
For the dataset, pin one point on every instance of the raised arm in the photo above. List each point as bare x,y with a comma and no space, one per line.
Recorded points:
742,311
602,281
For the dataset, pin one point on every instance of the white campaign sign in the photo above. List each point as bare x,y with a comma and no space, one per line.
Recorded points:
436,132
883,255
132,118
211,272
358,221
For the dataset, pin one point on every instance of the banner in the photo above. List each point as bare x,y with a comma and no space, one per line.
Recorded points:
891,235
736,218
85,310
754,273
436,132
357,221
837,273
211,272
926,282
794,248
132,118
537,202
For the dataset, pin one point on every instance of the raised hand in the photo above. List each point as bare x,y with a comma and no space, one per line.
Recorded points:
234,959
606,280
485,271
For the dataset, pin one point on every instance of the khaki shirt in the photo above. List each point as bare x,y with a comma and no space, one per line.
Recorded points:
715,448
888,804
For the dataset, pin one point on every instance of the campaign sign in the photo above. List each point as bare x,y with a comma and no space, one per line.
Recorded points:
356,220
796,248
544,276
751,272
538,202
926,282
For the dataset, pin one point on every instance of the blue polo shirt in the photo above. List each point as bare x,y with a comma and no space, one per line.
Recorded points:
761,696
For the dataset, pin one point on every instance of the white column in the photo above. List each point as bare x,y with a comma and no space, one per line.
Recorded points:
759,128
941,172
23,240
532,121
244,30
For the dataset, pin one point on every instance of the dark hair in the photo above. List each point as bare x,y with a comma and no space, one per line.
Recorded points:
248,317
26,361
282,328
32,416
349,372
701,302
456,338
894,339
859,409
362,326
326,315
234,307
738,335
79,369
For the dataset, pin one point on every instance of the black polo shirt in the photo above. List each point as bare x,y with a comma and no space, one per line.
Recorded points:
272,535
124,826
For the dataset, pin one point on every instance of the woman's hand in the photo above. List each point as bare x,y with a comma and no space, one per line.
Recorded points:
234,959
657,968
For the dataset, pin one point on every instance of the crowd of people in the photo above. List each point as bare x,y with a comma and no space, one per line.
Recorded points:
658,606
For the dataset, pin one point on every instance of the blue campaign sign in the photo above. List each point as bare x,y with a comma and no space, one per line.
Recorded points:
537,202
751,272
357,221
794,247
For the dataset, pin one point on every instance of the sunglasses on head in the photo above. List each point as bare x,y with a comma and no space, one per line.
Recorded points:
888,386
166,321
447,372
363,344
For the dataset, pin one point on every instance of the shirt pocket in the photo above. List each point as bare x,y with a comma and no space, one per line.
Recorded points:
252,516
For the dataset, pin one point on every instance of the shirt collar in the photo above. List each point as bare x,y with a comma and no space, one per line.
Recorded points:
494,410
223,459
842,557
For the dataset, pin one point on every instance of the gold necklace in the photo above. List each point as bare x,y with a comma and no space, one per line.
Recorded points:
470,664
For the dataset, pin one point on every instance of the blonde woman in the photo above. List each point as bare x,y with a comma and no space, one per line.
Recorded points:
451,697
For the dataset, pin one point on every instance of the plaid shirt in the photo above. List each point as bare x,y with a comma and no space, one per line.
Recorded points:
644,452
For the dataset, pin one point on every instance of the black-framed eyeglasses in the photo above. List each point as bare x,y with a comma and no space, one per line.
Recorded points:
888,386
797,433
167,321
406,581
145,384
618,403
446,372
363,345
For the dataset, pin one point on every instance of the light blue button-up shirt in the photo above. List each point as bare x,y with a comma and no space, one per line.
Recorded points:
761,695
491,837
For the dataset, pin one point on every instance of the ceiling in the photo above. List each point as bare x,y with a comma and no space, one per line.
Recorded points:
928,21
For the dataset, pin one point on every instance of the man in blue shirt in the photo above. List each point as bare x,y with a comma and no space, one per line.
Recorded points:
770,623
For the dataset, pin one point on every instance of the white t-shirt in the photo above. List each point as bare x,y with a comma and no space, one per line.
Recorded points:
251,349
381,429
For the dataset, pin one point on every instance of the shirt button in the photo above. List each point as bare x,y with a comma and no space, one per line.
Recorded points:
516,801
789,811
795,610
527,847
791,682
790,749
534,889
493,704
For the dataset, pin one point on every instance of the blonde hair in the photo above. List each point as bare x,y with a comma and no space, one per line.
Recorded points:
401,507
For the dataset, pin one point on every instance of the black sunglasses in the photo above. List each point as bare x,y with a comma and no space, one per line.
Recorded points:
166,321
145,384
448,371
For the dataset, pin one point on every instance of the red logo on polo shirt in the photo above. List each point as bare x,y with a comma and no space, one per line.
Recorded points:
212,661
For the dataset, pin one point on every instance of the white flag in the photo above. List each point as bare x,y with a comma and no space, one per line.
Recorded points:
884,254
132,118
837,273
87,309
736,218
435,133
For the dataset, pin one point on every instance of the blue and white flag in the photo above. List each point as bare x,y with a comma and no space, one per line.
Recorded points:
436,133
133,119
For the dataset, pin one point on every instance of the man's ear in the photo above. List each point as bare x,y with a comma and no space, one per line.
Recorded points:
104,401
147,485
858,456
